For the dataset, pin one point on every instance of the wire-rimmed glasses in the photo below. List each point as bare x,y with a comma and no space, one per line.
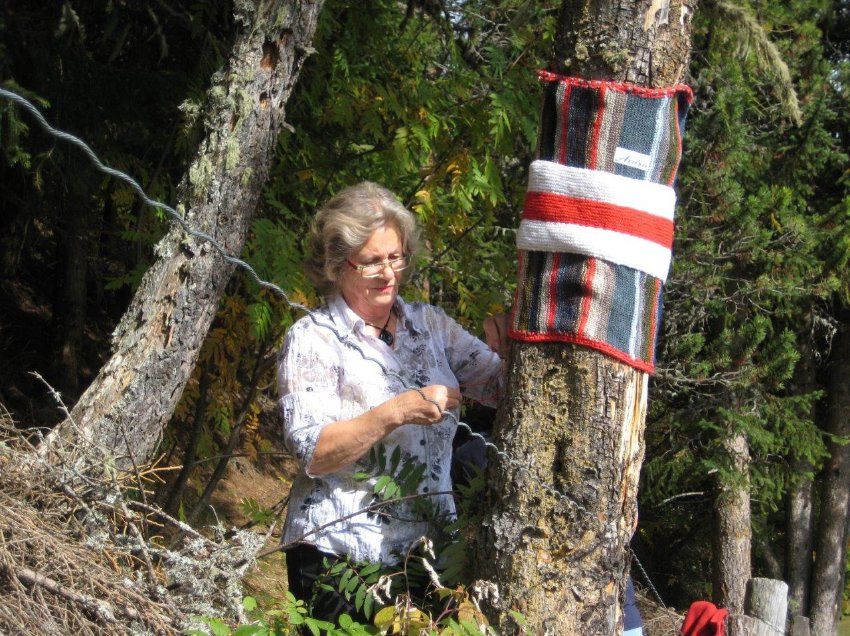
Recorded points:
373,270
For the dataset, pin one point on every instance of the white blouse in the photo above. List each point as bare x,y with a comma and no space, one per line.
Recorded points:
323,379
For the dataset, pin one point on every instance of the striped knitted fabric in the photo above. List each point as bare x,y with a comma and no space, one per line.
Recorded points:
614,127
597,226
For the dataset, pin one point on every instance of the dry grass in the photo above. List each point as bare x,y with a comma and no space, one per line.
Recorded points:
82,551
657,620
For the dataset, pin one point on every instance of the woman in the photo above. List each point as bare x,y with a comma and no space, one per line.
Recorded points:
337,405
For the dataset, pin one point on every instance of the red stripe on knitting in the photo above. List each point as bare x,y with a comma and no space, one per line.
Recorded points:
604,347
553,290
623,87
565,125
585,302
558,208
597,126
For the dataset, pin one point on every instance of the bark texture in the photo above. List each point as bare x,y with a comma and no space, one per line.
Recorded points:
157,341
827,578
731,565
800,511
576,423
573,418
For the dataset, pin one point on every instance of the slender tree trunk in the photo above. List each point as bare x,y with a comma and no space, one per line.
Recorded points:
199,416
831,548
71,275
800,512
234,441
573,418
731,566
156,344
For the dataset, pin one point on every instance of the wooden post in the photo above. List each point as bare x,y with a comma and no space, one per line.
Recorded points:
800,626
767,606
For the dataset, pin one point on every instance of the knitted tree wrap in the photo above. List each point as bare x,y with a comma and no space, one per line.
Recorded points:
594,243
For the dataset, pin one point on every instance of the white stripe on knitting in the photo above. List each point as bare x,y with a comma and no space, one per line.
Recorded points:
660,130
606,187
637,310
623,249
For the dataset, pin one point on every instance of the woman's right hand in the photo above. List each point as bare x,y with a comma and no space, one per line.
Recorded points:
426,405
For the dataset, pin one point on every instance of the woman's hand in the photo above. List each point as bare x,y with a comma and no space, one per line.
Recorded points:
496,334
426,405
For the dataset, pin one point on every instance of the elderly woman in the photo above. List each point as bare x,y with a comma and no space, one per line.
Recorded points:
337,404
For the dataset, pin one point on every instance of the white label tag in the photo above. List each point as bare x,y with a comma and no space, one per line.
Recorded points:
632,158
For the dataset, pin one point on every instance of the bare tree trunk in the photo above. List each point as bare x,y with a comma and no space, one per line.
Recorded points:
831,548
156,344
70,306
573,418
260,367
733,533
176,490
800,512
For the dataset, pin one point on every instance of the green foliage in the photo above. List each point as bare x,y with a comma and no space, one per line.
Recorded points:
754,275
258,514
444,114
400,475
288,617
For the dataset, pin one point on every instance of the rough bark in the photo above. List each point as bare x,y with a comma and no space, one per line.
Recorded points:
731,559
831,547
157,341
573,418
800,512
576,423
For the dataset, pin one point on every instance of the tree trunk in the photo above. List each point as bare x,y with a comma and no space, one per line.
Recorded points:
733,533
70,303
157,341
573,418
198,419
831,548
799,511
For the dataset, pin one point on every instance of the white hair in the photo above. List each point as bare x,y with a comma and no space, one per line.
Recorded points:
343,225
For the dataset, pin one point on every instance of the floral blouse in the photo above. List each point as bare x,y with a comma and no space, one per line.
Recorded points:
324,379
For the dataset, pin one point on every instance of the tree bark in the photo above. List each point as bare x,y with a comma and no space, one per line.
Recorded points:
731,565
573,418
800,512
831,547
157,341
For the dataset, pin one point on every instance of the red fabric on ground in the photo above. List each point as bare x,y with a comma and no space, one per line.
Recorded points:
704,619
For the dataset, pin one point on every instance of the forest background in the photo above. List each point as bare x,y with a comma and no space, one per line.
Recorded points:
439,102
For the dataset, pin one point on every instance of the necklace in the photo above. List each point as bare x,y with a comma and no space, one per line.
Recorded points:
385,335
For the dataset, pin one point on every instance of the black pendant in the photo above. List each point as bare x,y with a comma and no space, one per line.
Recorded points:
386,337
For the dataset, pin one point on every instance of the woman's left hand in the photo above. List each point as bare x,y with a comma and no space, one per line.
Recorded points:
496,334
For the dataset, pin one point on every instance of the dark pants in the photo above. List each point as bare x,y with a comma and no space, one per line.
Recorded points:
305,568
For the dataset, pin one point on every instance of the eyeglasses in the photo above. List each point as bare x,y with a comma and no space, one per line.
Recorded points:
373,270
